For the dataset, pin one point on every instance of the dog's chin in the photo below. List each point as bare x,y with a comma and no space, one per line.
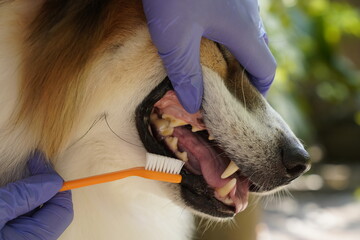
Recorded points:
203,187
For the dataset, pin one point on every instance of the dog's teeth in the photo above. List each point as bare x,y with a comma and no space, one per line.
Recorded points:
174,122
153,117
182,155
231,169
195,129
161,124
211,137
167,131
172,143
228,201
226,189
177,123
163,127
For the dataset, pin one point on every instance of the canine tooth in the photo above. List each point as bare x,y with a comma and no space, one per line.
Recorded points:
211,137
182,155
172,143
226,189
195,129
232,168
174,122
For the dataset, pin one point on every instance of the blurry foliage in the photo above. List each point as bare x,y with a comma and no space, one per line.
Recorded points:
316,88
357,194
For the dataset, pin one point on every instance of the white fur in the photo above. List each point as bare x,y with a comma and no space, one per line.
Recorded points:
15,145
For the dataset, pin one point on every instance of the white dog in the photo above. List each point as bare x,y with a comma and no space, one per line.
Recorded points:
81,81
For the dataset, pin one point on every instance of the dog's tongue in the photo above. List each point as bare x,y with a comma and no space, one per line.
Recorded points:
204,160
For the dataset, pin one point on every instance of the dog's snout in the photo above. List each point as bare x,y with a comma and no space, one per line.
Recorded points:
296,161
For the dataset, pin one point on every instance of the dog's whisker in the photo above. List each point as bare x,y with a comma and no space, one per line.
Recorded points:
96,121
242,87
117,135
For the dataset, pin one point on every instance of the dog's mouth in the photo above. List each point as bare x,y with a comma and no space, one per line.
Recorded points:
212,183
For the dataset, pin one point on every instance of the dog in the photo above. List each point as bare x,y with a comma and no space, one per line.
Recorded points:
82,82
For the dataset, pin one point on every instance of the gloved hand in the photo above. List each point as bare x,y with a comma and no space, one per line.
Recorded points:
20,217
176,28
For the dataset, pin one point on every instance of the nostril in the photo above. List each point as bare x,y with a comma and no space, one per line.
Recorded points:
296,160
296,171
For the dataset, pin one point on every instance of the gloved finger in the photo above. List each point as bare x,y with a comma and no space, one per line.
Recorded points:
246,40
184,70
254,55
49,222
58,211
20,197
182,63
177,39
37,164
262,32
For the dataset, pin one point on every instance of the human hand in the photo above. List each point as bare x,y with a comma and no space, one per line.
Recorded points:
176,28
21,218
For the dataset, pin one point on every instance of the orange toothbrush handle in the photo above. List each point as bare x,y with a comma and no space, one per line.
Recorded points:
108,177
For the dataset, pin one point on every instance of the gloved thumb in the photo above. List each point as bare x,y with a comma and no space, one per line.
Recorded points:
37,164
25,195
182,63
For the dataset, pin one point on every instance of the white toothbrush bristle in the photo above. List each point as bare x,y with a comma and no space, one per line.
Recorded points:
159,163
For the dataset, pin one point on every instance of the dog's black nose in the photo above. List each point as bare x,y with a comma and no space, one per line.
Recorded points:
296,160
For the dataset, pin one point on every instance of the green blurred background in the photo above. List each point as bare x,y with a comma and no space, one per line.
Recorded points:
317,90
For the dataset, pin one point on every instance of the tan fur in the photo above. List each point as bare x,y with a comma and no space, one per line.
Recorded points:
57,58
211,57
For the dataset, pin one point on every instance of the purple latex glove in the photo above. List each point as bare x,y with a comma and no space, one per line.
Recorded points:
176,28
20,217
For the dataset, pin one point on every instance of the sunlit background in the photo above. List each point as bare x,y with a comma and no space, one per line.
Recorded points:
317,91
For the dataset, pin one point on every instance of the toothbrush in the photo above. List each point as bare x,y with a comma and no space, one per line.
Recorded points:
157,167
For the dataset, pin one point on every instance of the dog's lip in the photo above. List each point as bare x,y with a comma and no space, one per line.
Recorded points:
193,190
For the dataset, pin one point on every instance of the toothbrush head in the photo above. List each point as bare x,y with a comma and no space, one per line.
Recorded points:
159,163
